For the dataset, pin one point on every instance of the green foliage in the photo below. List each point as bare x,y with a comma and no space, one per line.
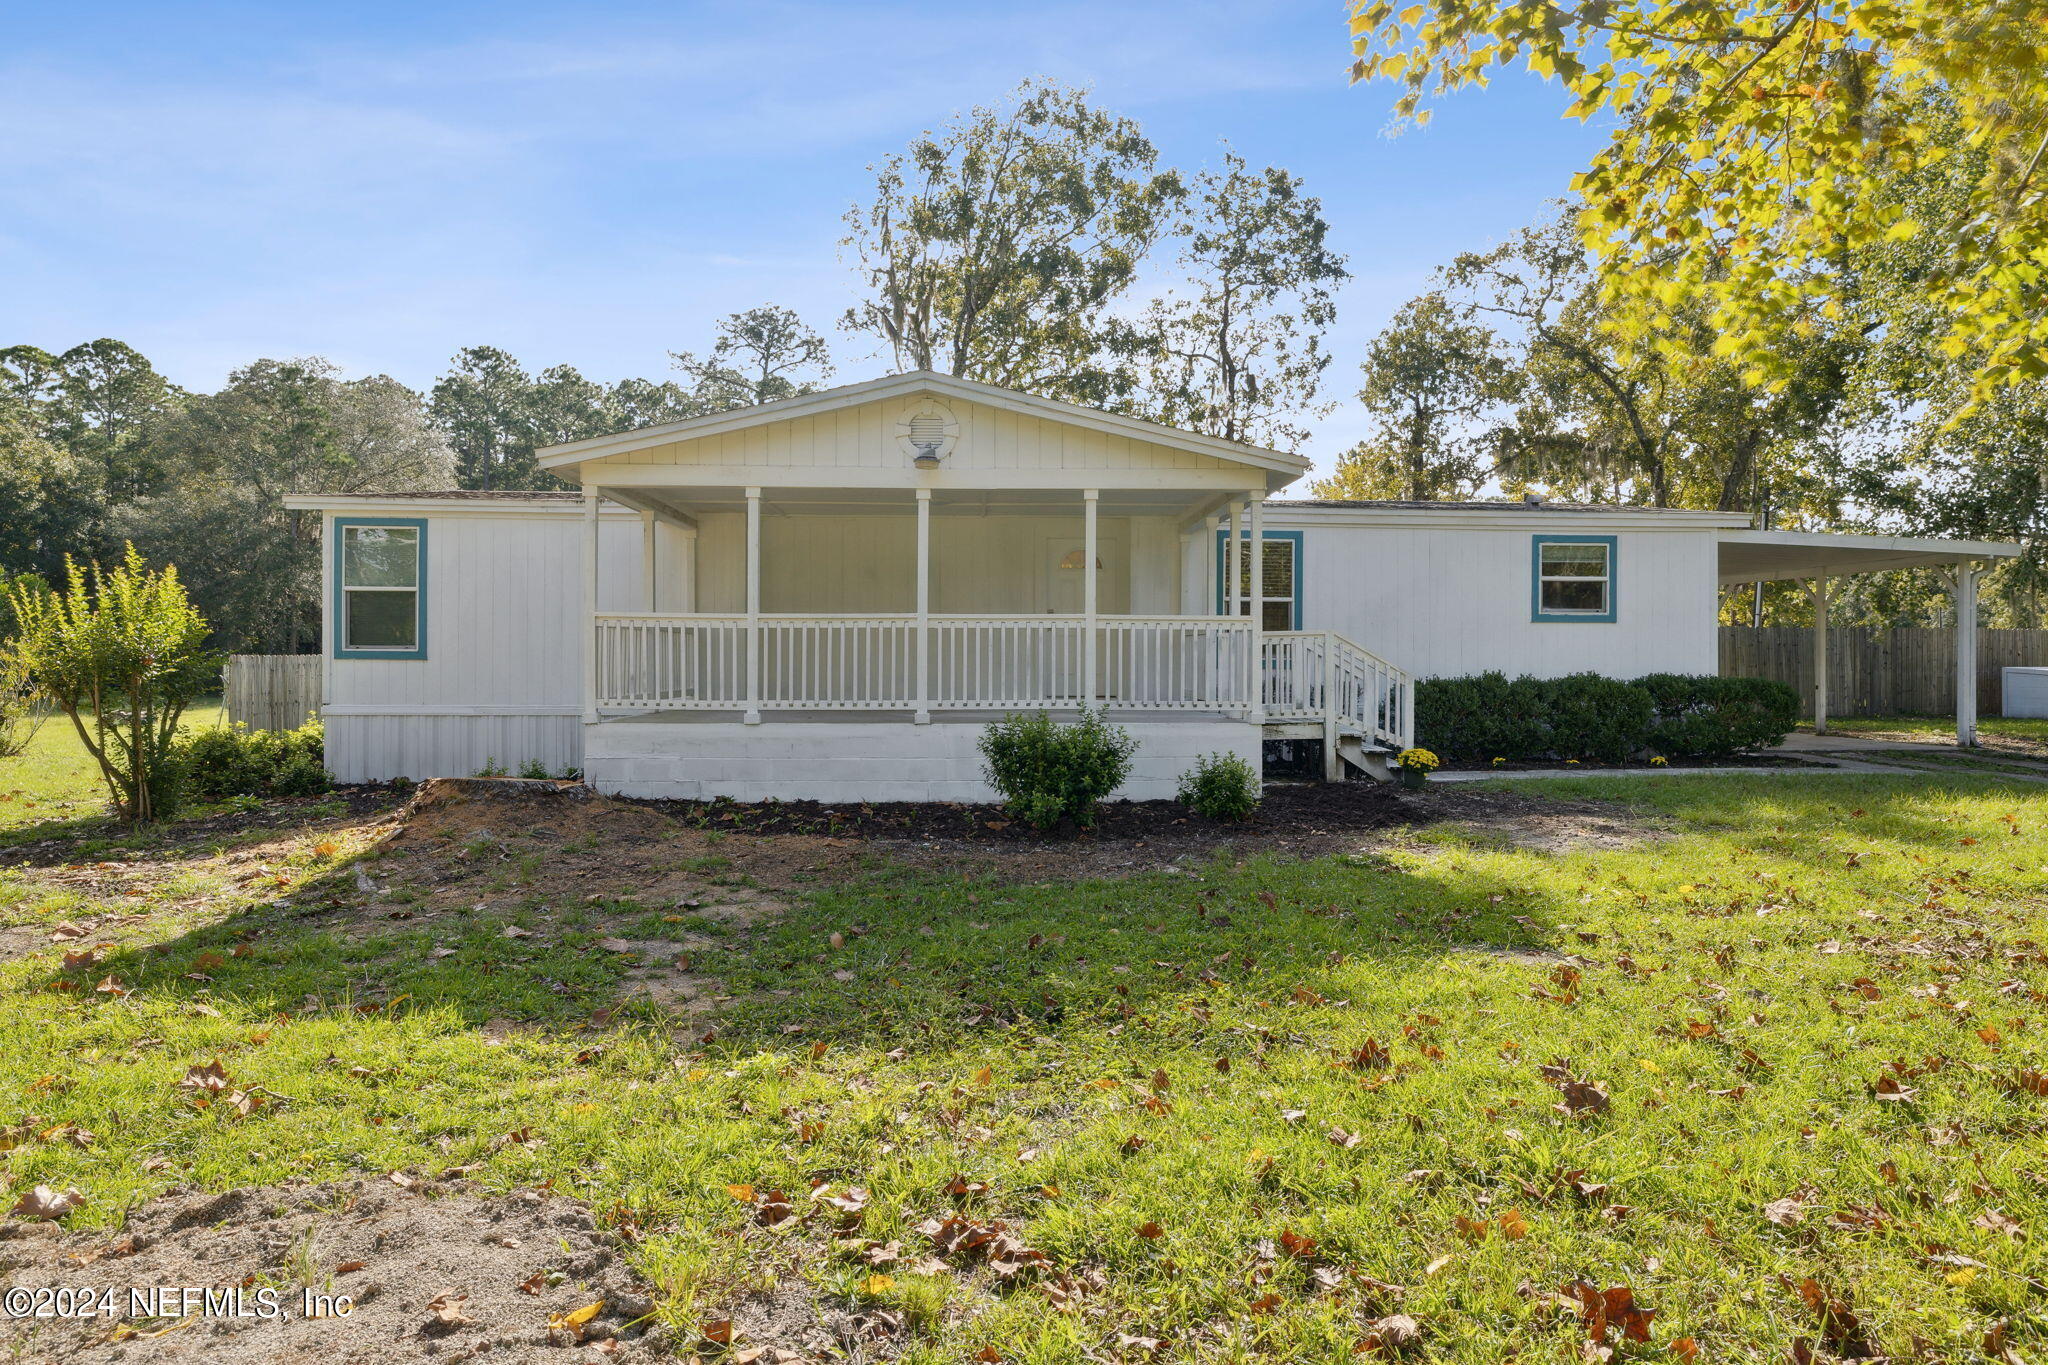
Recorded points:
21,710
1581,716
1049,772
121,652
1220,786
757,356
994,247
1600,417
275,428
233,760
1478,718
495,415
79,437
1239,354
1430,378
1752,149
1588,716
1707,716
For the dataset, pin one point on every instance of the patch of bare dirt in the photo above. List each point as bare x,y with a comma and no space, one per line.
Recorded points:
434,1272
231,861
183,840
1539,824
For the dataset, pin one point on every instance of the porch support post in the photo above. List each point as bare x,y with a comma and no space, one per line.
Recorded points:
1089,499
1233,570
923,710
1186,607
647,559
689,593
753,711
1255,592
590,500
1966,654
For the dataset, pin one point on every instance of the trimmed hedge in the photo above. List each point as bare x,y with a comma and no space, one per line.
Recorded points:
1704,716
1585,716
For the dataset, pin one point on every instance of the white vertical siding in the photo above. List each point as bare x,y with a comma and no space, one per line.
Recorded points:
866,437
1443,602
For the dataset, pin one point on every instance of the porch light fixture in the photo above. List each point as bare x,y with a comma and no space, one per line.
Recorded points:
927,456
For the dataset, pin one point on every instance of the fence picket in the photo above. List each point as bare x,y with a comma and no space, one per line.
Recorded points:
1874,671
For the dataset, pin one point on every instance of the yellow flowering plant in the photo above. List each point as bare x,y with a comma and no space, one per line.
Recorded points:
1417,760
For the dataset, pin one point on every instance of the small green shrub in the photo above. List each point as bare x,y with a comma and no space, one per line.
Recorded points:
233,760
1708,716
1221,787
1049,772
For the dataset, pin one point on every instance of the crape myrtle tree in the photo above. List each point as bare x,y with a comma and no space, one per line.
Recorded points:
121,652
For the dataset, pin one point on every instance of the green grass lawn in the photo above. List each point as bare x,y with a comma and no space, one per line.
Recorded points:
55,780
2015,733
1247,1113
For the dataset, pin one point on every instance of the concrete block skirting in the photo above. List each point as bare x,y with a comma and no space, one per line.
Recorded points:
860,761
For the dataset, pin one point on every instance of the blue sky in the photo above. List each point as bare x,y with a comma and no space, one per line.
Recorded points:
595,183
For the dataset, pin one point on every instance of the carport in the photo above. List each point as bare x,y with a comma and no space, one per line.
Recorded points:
1816,560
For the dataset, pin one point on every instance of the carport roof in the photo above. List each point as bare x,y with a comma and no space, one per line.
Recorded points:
1750,556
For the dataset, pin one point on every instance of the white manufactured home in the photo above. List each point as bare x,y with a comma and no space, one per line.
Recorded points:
828,596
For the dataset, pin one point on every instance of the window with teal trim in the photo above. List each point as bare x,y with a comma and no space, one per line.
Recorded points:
1574,578
1277,591
380,586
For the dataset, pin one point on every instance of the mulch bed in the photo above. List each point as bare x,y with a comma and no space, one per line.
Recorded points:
1289,808
1592,766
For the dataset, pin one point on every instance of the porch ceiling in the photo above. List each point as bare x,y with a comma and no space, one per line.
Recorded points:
1753,556
1112,502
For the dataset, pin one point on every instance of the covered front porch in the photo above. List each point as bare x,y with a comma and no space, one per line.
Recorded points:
921,601
766,602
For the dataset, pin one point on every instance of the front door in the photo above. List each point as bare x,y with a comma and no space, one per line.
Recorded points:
1066,595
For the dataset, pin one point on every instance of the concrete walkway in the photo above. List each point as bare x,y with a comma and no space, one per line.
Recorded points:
1818,754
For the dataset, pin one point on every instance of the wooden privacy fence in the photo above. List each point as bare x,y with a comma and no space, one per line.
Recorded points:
1903,670
271,691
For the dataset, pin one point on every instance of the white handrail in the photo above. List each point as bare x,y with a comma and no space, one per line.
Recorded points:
845,661
1322,676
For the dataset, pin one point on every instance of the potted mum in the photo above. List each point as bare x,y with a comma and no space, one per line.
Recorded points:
1415,766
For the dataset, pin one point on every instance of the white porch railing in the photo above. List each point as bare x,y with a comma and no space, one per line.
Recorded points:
1320,675
649,661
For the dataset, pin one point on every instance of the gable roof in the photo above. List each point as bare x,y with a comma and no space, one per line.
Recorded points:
913,383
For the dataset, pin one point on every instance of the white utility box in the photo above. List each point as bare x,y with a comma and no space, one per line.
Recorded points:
2026,691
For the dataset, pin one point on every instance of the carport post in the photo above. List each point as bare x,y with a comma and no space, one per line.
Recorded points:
1818,591
1966,654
